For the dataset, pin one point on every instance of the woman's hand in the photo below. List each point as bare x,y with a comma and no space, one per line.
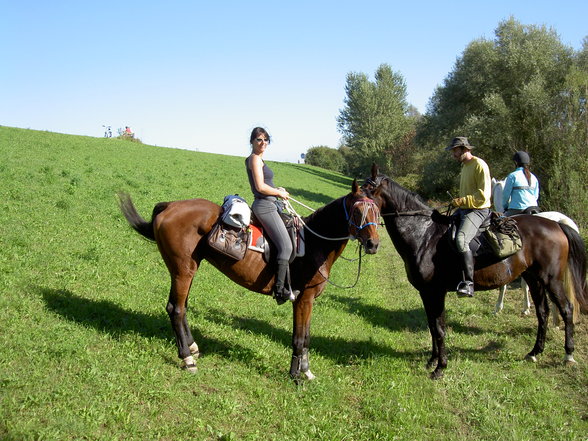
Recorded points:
282,193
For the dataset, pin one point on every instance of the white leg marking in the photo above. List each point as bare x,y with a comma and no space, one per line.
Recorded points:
500,301
309,375
569,359
531,358
194,350
189,364
526,299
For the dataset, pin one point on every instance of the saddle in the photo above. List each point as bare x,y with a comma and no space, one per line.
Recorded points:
498,237
237,230
261,243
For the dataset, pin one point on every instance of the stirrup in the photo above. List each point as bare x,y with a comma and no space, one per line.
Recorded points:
285,295
465,289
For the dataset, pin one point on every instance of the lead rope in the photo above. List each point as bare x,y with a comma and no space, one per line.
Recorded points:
356,278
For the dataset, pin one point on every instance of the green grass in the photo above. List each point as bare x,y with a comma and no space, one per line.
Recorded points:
87,352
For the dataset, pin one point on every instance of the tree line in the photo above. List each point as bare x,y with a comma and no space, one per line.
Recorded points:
522,90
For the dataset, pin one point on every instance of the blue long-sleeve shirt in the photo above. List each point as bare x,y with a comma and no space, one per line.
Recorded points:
517,193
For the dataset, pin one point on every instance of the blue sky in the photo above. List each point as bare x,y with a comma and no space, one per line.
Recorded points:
200,75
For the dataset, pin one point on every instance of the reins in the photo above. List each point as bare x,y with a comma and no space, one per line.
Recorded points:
347,216
292,211
409,213
356,278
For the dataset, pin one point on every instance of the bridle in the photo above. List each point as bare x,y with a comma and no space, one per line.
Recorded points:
363,223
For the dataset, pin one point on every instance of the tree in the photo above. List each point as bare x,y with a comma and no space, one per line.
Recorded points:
524,90
325,157
374,120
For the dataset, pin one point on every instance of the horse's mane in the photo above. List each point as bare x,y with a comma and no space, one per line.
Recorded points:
405,198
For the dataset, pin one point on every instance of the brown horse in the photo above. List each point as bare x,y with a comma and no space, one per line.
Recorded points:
552,260
179,228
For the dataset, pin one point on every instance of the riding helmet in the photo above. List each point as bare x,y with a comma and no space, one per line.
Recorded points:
521,158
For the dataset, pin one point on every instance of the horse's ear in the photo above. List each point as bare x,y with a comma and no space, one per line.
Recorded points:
374,170
355,187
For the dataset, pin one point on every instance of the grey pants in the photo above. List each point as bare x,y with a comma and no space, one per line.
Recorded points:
471,219
266,212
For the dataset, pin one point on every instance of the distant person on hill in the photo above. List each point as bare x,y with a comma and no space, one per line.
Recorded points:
128,131
261,180
521,188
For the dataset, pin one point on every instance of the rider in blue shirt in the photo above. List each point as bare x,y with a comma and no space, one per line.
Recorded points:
521,188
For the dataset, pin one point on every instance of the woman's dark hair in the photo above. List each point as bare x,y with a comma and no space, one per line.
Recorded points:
258,131
522,159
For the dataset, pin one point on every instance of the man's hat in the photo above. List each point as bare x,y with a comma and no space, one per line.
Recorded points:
460,141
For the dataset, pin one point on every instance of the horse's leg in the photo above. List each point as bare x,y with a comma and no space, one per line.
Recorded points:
301,337
559,290
500,301
176,309
555,315
194,350
539,295
526,299
434,303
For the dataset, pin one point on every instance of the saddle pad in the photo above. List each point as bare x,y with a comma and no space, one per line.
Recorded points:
256,239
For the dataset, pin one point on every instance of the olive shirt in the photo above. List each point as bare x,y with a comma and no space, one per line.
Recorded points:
474,185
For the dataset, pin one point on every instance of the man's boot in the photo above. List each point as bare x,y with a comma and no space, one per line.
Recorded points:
282,293
466,287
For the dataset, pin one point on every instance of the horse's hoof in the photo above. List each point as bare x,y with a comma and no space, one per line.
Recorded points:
526,312
188,364
569,360
190,368
436,374
308,375
532,358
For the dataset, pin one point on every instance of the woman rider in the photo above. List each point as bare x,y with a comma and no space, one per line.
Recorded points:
266,211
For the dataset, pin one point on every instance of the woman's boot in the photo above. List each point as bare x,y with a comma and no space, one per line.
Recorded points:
282,293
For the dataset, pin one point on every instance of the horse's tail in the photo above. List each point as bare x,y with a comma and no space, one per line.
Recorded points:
576,267
139,224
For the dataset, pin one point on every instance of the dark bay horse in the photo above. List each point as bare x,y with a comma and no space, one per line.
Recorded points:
179,228
552,260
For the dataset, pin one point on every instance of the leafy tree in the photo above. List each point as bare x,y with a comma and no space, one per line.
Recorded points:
524,90
325,157
374,120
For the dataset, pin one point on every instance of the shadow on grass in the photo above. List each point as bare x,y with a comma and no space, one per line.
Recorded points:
342,181
319,199
108,317
339,350
105,316
414,320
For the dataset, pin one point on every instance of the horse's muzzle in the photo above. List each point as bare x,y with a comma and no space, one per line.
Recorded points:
371,246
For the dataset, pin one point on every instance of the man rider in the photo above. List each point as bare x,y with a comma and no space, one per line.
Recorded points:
473,206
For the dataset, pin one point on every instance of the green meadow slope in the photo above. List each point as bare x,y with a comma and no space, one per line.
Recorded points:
87,352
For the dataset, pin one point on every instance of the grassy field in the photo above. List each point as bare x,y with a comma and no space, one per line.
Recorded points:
87,352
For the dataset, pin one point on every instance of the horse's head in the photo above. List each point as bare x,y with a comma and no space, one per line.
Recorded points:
363,216
372,186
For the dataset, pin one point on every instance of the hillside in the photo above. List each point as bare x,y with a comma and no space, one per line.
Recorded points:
87,352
